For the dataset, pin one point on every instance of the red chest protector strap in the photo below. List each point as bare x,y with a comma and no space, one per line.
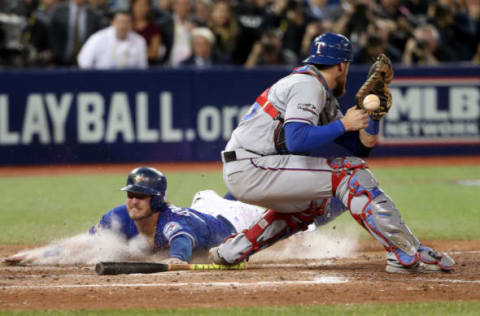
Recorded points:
268,107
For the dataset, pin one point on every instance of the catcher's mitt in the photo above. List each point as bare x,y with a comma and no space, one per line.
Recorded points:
379,76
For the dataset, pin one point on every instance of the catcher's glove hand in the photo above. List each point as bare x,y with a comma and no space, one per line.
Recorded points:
379,77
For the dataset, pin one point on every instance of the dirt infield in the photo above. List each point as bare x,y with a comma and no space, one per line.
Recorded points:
334,281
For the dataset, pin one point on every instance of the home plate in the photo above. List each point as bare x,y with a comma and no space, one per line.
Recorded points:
330,280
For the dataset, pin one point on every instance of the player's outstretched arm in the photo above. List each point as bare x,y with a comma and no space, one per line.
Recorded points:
181,248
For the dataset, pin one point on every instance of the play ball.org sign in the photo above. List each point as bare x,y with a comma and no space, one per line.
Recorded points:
424,111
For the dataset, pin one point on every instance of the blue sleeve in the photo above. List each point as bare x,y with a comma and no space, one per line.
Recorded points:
181,248
373,127
118,214
351,140
105,223
305,138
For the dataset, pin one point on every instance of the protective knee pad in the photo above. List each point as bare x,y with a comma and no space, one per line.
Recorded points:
271,228
342,167
375,211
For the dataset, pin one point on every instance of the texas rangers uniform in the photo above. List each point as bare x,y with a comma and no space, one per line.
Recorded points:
259,169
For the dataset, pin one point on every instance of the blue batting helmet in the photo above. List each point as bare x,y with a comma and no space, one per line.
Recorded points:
329,49
148,181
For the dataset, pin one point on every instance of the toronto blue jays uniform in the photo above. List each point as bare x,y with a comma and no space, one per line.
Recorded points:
203,230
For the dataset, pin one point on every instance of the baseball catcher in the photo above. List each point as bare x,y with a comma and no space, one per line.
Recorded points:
275,159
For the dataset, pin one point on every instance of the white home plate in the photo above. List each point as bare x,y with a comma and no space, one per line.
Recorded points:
330,279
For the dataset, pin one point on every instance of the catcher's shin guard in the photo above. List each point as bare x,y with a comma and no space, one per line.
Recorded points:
375,211
271,228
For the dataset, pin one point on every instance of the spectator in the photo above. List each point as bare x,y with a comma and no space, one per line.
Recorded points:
202,12
177,31
103,10
114,47
313,29
453,29
224,26
119,5
322,9
296,21
424,48
268,51
376,42
36,34
355,20
373,47
71,24
164,5
398,20
476,57
143,25
203,48
252,19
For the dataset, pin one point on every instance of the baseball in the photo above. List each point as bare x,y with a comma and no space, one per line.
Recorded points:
371,102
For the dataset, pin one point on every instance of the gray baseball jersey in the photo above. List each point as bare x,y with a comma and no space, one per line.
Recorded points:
285,183
299,98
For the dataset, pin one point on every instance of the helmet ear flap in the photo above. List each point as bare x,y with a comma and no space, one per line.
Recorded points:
156,203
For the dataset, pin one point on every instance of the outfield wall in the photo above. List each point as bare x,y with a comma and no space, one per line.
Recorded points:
72,116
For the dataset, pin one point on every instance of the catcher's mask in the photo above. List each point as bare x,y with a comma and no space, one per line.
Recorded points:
148,181
329,49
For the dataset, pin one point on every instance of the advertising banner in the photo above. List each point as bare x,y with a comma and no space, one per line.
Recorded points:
72,116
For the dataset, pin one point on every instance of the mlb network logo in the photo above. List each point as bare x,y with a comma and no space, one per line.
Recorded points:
433,111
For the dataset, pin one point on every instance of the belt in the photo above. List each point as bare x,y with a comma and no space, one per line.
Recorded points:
238,154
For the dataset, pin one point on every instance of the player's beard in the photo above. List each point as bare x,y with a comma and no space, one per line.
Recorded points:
341,85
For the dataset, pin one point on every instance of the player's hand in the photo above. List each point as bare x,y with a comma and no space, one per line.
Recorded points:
355,119
173,261
18,259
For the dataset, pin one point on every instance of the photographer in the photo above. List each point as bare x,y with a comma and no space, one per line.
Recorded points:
357,17
424,48
268,51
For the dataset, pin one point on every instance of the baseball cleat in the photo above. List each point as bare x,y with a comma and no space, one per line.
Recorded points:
417,268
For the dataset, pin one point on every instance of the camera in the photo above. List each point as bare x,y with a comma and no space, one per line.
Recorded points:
421,44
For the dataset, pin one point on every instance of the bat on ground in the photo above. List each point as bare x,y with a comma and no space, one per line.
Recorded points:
112,268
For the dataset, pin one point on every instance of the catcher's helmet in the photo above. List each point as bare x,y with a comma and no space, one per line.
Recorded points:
148,181
329,49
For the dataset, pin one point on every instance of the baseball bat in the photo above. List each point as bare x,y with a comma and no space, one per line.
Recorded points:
113,268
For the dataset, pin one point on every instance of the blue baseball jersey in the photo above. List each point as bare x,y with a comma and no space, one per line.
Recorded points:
205,231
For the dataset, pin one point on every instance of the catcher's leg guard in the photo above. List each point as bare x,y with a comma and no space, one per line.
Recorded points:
373,209
271,228
333,209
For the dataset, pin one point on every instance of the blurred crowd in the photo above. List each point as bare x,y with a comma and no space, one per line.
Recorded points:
111,34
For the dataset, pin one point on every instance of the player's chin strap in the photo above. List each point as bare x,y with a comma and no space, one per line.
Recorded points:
356,186
270,228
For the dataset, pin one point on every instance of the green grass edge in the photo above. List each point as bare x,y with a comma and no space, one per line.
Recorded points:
426,308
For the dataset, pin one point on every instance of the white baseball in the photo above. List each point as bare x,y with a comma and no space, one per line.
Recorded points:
371,102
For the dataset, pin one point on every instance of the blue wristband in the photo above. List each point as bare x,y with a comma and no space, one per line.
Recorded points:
373,127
